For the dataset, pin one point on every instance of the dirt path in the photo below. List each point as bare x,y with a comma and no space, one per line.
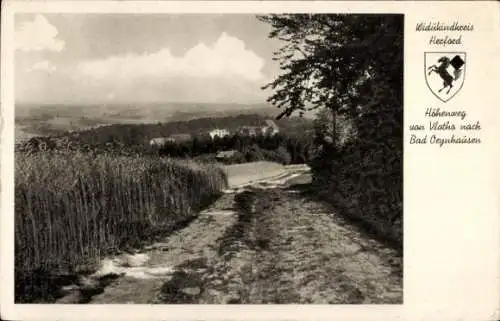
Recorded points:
258,244
294,251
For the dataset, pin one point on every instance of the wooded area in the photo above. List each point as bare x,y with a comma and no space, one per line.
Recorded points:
349,65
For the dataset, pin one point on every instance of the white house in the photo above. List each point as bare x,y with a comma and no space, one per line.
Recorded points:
226,154
249,130
272,129
219,133
159,142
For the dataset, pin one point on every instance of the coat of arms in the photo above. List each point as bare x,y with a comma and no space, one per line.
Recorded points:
445,73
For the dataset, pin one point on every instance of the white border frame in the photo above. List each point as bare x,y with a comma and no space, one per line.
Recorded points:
418,305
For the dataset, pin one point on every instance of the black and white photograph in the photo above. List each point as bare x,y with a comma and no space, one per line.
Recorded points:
205,158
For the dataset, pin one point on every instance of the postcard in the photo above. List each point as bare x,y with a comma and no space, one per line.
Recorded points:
250,160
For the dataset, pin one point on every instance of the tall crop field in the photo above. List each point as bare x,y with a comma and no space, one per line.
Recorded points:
72,209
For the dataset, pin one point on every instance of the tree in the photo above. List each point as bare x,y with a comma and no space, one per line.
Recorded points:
283,155
350,64
236,142
254,153
197,146
323,127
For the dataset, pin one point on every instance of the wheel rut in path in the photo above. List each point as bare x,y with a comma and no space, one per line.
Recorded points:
287,249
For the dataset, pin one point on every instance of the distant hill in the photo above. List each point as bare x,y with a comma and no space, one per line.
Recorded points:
58,119
140,134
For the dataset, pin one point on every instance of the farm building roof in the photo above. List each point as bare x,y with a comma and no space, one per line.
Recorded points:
226,154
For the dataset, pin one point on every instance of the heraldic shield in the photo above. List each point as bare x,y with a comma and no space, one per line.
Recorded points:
445,73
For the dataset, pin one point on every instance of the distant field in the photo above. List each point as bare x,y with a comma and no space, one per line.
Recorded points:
21,134
247,173
241,173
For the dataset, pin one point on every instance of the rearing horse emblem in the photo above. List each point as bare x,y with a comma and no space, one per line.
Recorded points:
445,73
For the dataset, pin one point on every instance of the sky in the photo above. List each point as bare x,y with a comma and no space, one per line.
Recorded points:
142,58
